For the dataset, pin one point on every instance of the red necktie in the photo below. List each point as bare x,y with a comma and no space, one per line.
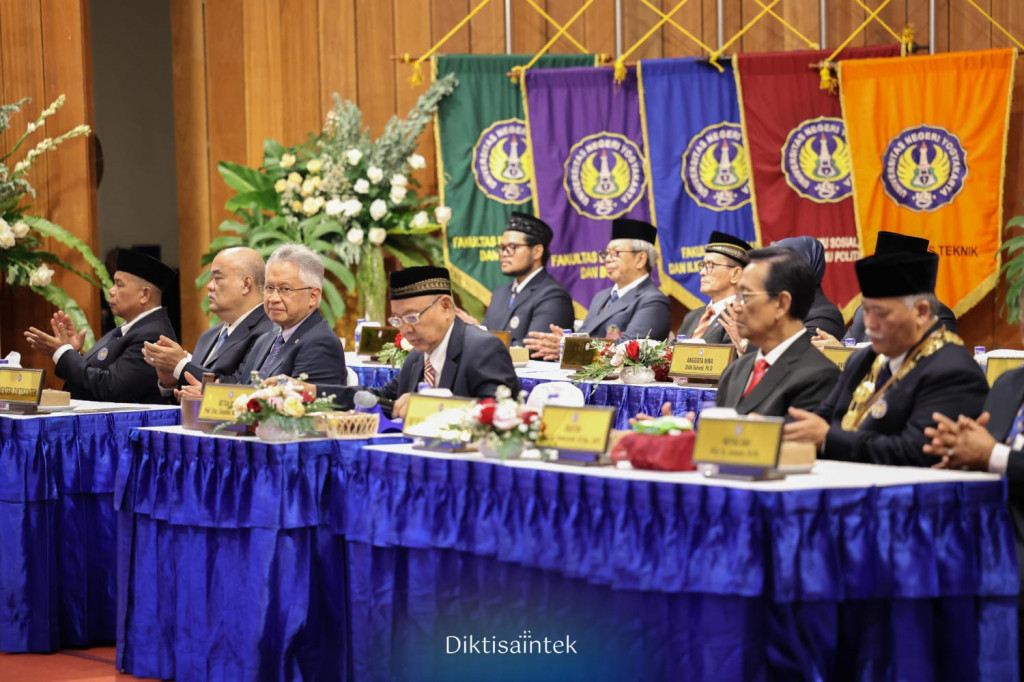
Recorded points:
705,322
760,367
428,371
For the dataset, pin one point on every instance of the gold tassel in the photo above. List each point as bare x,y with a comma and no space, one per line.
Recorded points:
620,70
907,37
827,81
516,74
417,74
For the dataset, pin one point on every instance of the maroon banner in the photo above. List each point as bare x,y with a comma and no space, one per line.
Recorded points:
799,159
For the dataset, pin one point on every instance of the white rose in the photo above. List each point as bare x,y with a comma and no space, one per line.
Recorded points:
399,180
335,207
280,186
287,160
420,220
352,208
310,206
355,236
314,166
405,345
293,406
307,188
506,416
41,276
20,229
443,214
378,209
397,194
353,156
375,174
362,186
416,162
6,239
294,179
378,235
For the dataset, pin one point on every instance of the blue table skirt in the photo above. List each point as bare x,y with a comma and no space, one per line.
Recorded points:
235,570
629,400
58,526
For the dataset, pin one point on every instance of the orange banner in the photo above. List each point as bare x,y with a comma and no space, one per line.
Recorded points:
927,137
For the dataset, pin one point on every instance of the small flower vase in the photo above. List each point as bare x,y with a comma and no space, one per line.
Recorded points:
273,432
493,447
636,375
371,283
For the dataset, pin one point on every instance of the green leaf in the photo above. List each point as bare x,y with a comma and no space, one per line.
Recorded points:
60,299
337,303
343,274
203,279
233,226
48,229
225,242
263,199
244,179
272,149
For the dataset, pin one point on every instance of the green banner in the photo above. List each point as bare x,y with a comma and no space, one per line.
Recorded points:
484,161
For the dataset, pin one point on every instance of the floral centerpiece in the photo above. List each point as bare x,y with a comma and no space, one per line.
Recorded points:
395,353
637,361
345,196
280,411
23,258
504,425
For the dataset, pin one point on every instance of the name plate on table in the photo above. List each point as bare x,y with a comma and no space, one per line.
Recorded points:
703,362
580,434
422,407
504,336
996,367
578,352
839,355
372,338
741,447
21,389
217,401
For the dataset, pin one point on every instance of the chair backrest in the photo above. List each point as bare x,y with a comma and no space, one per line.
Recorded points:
351,378
555,393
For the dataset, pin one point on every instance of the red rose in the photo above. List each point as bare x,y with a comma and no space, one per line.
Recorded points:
633,349
307,397
398,340
487,413
528,416
253,405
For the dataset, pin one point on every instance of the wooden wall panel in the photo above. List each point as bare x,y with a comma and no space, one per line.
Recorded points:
675,43
413,35
338,61
298,27
375,21
530,29
599,30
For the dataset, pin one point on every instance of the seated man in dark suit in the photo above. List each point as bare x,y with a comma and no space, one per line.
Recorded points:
235,293
775,293
633,308
303,342
114,369
447,353
534,300
888,393
888,242
724,259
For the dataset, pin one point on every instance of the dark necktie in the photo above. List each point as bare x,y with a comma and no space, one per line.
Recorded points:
272,355
220,342
611,299
512,298
883,376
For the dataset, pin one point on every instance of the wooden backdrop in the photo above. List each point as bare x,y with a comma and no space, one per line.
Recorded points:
245,70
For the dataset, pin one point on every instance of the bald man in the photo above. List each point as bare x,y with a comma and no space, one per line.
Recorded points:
235,296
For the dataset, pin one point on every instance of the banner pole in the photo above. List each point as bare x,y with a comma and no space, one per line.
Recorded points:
508,26
721,22
618,28
931,26
823,26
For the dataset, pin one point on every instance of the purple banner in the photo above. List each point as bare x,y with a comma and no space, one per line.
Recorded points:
587,143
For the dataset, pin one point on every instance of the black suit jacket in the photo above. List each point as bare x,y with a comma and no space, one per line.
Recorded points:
1002,403
715,333
231,355
114,369
801,377
641,312
856,329
313,349
948,381
475,365
542,303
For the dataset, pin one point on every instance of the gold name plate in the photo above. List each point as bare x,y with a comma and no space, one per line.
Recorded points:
20,389
371,339
839,355
217,401
578,352
701,361
996,367
577,429
751,442
422,407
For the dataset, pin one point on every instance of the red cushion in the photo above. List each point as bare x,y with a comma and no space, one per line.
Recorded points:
663,453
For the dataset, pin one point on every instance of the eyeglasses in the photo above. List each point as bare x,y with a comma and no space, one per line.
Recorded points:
741,297
711,265
285,292
412,318
508,249
613,254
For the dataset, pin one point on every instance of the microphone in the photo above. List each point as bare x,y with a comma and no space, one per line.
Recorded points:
365,401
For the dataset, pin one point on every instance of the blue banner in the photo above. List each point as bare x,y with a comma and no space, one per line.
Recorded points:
699,169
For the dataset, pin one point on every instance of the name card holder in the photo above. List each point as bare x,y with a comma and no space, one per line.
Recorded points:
745,448
995,367
839,355
578,352
371,339
579,434
700,362
504,336
428,436
21,389
216,407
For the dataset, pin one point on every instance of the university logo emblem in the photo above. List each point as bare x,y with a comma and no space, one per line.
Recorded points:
502,162
604,176
102,355
924,168
716,171
816,160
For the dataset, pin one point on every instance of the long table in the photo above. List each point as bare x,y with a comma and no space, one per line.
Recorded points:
57,523
370,560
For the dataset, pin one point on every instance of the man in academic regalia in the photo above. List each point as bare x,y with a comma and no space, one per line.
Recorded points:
725,256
